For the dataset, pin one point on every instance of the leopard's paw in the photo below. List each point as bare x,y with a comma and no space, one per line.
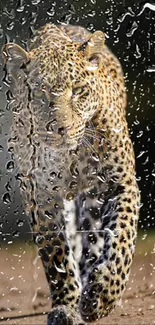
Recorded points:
58,317
61,316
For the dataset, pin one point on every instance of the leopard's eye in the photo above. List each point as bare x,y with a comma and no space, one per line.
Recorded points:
77,91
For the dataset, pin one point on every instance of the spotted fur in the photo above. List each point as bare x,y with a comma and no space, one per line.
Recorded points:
76,167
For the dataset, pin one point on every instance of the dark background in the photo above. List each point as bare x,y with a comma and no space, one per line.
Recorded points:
130,29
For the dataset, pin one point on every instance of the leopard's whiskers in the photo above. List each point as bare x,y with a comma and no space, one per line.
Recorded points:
94,131
87,142
91,135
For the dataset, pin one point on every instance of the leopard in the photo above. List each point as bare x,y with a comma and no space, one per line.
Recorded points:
76,167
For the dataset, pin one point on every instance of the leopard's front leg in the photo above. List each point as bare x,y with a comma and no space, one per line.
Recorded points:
59,264
107,277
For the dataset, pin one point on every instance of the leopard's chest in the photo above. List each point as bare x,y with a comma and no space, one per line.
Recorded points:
66,173
59,176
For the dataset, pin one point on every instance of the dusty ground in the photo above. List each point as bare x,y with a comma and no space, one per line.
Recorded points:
23,288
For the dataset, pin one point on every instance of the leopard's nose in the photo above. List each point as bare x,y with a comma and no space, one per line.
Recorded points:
63,130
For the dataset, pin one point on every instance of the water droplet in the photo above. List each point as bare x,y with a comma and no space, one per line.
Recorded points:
65,19
23,20
51,126
56,188
20,7
1,112
1,32
6,79
136,122
34,16
35,2
51,11
144,236
10,25
90,26
9,95
14,289
140,133
10,242
39,240
95,156
69,196
73,185
73,169
1,149
20,223
91,13
60,268
137,54
148,5
111,232
117,130
16,234
10,149
10,14
49,215
141,154
128,13
132,29
8,187
10,166
6,198
53,175
151,69
101,178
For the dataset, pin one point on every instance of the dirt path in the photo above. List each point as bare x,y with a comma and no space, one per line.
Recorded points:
23,287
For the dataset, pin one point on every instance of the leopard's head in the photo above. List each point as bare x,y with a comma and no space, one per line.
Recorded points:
64,84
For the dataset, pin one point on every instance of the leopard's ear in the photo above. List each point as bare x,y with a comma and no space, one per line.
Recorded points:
93,48
14,54
95,44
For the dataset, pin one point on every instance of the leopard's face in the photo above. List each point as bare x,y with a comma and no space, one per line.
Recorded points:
64,96
63,88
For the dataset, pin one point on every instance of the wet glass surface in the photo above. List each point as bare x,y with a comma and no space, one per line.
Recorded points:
129,28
